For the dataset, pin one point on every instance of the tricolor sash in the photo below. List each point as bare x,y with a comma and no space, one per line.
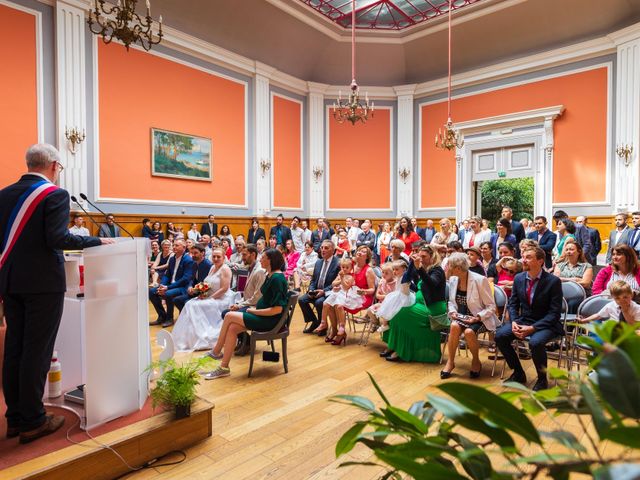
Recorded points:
21,213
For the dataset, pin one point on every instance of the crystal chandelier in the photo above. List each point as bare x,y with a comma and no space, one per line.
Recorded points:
352,109
450,138
123,23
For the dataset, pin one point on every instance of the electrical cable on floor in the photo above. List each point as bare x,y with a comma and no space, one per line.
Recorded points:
149,464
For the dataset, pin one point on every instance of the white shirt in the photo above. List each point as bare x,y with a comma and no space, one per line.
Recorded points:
307,235
612,310
352,235
175,268
194,235
82,231
478,238
297,235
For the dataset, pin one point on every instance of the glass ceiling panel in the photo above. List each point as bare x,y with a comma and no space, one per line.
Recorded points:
384,14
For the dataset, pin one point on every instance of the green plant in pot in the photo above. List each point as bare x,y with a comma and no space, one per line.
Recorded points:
176,386
474,433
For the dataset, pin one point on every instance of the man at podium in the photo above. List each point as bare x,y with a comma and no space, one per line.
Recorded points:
34,215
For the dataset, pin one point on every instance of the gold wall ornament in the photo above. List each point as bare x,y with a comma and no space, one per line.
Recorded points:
404,174
265,166
624,152
317,173
74,137
123,23
450,139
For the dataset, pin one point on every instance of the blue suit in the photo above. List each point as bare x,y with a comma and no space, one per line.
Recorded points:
305,300
547,242
543,313
183,279
32,284
200,272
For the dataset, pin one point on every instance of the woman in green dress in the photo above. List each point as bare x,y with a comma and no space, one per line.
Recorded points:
263,318
410,337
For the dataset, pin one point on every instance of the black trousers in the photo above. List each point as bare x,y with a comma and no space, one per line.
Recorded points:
537,342
305,302
32,327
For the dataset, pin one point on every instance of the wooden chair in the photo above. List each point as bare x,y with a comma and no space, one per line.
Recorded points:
280,331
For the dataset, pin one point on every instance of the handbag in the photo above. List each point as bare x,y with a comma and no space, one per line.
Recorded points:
439,322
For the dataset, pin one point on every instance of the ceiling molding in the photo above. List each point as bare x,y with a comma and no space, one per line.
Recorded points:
628,34
335,32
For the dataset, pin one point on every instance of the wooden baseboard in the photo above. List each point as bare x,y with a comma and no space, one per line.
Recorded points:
137,443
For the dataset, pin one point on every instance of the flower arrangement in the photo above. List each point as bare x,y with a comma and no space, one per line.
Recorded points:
202,289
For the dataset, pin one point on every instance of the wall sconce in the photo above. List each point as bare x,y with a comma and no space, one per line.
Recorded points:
404,174
74,137
625,151
265,166
317,173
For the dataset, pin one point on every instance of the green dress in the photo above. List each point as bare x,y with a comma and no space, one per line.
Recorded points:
275,292
410,334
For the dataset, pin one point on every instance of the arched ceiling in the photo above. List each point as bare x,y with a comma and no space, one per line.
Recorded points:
294,38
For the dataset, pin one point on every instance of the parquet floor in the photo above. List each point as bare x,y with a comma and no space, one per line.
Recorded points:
283,426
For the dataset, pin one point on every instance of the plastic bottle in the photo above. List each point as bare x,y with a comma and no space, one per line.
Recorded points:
55,377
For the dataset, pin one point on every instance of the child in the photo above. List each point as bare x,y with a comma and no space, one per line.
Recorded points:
345,293
401,297
507,268
387,285
622,308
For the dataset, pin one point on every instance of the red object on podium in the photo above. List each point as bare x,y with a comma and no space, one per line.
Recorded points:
81,268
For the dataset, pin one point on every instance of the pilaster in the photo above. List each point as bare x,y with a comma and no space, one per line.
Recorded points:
317,170
263,163
405,173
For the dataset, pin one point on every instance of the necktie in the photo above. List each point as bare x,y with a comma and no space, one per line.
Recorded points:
323,274
532,284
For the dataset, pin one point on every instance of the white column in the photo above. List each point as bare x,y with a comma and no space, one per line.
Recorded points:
71,93
406,164
263,163
463,183
626,189
317,168
543,201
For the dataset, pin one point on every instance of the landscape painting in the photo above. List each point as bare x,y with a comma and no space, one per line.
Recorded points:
180,155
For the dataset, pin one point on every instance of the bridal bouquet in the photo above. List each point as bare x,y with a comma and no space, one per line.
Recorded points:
201,289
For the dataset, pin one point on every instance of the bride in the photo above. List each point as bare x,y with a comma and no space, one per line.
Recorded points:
199,323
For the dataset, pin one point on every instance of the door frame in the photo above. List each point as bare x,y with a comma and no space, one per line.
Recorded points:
531,124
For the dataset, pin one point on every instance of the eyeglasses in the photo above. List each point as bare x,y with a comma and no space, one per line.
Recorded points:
60,166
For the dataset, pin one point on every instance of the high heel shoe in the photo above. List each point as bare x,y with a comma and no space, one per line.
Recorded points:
329,339
340,338
476,374
446,374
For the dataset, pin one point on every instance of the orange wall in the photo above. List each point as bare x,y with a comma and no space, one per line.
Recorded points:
138,91
580,135
359,157
18,90
287,149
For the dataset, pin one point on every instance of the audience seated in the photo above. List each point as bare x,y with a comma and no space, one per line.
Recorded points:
474,255
488,259
398,249
263,317
386,285
161,262
109,229
341,242
193,234
304,267
324,273
291,256
225,232
622,308
175,282
535,308
574,266
624,266
471,308
200,272
78,227
235,260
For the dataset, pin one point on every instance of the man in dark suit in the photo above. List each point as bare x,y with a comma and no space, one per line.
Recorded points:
109,229
546,238
594,235
280,231
32,285
210,228
320,234
516,227
255,234
534,308
419,230
618,235
200,272
177,279
324,272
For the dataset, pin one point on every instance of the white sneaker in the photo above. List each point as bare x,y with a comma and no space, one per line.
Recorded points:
217,373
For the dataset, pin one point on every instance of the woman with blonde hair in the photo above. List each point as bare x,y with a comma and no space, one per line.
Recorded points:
444,236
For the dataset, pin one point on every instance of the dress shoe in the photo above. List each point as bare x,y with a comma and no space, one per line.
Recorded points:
541,384
444,375
473,374
321,333
50,425
13,432
157,322
311,327
386,353
393,358
518,377
167,323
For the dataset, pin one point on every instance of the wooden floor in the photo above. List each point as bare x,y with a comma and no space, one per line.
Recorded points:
276,425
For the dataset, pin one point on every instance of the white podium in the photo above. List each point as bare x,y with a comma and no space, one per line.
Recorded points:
103,341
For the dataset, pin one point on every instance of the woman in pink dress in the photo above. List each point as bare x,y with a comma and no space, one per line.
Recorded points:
291,257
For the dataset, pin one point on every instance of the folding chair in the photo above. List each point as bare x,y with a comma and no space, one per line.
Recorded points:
501,299
588,307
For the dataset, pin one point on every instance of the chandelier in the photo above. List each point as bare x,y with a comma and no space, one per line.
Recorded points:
123,23
450,138
352,109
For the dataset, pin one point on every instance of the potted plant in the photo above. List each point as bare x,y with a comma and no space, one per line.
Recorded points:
176,386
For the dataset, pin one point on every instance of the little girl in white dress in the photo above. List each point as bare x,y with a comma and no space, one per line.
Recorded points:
401,297
345,292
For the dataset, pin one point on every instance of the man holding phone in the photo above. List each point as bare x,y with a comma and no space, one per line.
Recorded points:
324,272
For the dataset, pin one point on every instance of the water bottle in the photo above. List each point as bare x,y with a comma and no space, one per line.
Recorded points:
55,377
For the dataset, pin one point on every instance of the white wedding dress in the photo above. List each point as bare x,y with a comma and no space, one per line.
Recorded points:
199,323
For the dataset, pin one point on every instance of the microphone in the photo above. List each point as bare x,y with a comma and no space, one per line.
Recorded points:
84,197
75,200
